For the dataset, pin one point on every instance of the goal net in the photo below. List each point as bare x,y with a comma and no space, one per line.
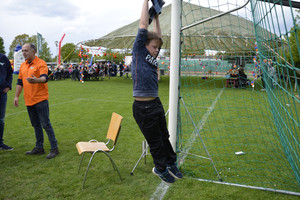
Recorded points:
238,111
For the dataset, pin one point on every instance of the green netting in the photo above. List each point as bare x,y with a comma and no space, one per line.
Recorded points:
250,129
205,65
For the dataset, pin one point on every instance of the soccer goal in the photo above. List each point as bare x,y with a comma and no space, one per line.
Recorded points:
234,93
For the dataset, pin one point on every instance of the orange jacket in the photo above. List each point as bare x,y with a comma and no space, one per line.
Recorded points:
34,92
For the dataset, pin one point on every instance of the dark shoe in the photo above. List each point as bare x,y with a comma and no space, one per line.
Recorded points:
174,171
164,176
36,151
53,153
5,147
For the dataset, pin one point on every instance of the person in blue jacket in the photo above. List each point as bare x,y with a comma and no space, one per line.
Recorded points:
6,78
147,107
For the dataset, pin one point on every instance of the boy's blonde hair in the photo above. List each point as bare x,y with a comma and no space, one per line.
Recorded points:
153,36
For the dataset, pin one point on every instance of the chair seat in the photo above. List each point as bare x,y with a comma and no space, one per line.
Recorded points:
91,147
94,146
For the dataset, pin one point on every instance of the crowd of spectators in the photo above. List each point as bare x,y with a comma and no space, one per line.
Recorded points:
99,70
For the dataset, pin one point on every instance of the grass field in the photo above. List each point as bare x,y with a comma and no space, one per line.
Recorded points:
80,112
233,120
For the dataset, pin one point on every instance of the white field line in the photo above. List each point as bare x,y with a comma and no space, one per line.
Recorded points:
66,102
16,113
200,126
162,188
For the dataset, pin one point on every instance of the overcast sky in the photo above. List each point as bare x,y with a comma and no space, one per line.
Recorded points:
79,20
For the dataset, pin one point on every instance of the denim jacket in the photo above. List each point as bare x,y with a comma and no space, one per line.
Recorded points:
5,73
143,68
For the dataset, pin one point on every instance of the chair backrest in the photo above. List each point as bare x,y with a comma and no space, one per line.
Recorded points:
114,127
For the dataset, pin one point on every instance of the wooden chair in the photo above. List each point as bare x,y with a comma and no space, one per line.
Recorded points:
93,146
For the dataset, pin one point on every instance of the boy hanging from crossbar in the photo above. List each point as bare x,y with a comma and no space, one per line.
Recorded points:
147,107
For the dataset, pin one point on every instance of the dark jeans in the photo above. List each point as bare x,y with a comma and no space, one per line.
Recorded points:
3,100
39,117
150,117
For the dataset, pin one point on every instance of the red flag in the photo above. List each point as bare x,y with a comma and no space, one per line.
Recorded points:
60,48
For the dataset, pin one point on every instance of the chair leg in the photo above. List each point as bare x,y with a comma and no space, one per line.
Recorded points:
111,160
80,162
87,169
113,164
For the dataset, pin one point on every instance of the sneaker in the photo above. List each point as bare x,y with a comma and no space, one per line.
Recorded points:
164,176
5,147
53,153
36,151
263,89
174,171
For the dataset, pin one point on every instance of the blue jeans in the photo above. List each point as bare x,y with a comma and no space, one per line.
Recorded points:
39,117
3,100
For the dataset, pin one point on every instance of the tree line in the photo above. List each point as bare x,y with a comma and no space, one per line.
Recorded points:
69,51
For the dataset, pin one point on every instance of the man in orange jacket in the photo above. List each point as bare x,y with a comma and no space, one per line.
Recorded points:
33,77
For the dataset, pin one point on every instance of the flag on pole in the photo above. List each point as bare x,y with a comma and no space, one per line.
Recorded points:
39,43
59,48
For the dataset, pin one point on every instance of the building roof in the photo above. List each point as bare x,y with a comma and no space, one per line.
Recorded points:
228,33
